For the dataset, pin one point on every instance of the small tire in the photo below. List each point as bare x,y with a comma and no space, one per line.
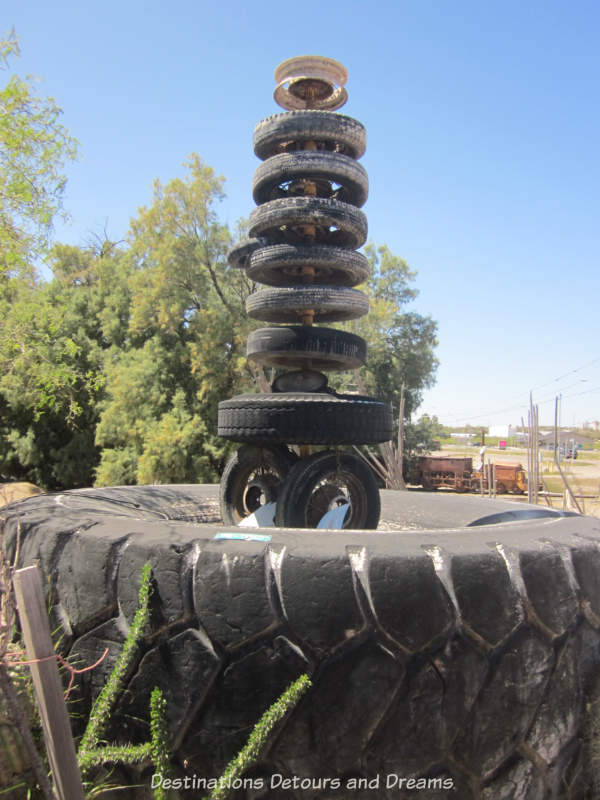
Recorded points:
311,347
239,255
339,224
306,494
283,265
329,304
305,418
334,132
251,475
276,177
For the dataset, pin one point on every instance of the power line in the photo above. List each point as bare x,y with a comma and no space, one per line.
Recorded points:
570,372
521,405
455,417
587,391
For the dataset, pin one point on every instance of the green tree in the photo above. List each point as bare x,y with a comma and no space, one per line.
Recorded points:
423,434
401,343
116,366
186,340
34,149
54,342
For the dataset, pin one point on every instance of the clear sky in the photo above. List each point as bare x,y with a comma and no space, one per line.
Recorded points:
483,129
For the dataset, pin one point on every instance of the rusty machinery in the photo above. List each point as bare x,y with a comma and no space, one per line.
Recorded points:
304,237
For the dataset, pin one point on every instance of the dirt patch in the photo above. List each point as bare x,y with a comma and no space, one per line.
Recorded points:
9,492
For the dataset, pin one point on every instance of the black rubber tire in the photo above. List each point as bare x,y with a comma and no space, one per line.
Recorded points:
329,303
282,221
275,177
251,472
335,132
305,418
506,614
282,265
239,255
327,349
305,495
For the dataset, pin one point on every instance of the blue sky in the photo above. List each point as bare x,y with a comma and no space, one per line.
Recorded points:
483,128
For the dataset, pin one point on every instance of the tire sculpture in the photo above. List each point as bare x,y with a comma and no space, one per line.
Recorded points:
457,648
303,243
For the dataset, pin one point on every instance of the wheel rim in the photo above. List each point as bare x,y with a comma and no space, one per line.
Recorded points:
253,488
261,489
332,491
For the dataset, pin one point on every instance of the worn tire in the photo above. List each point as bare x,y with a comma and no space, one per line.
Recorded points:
282,221
275,177
283,265
305,418
327,349
304,497
476,649
251,473
329,303
239,255
334,132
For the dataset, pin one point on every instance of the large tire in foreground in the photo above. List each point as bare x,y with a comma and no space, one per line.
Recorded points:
467,654
305,418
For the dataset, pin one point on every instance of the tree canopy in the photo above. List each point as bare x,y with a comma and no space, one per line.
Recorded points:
111,371
400,343
34,148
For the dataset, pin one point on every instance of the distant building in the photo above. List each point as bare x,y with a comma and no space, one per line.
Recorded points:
566,436
591,425
503,431
499,431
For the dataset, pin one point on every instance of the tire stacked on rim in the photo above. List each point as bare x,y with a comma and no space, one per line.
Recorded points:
304,237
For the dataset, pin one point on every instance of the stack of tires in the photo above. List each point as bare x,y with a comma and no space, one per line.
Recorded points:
303,243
